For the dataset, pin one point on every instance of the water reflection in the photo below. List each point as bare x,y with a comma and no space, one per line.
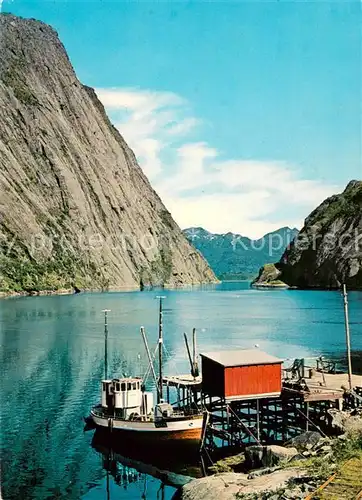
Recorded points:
51,361
128,463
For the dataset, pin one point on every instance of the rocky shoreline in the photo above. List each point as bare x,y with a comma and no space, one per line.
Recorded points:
74,291
285,472
13,294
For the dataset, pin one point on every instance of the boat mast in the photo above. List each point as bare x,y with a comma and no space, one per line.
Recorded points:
194,355
348,339
160,348
106,311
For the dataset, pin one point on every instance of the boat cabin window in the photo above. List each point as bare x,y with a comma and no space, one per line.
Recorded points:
128,386
134,386
104,386
118,387
123,387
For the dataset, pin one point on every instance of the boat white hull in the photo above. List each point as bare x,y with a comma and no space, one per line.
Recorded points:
186,428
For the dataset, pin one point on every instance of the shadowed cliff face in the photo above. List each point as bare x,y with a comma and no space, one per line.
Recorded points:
328,250
76,210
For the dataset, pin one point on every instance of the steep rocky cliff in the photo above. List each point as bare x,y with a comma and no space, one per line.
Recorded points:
328,250
76,210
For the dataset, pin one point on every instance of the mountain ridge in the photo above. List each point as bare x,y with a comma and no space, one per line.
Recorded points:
328,249
234,256
76,209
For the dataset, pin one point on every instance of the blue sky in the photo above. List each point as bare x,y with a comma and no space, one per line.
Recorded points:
244,115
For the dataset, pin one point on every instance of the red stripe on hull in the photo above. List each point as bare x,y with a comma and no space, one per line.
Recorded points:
188,434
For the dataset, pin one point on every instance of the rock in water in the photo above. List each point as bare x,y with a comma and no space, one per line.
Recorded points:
328,250
76,210
269,278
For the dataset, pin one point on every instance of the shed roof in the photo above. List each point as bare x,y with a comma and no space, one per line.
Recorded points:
242,357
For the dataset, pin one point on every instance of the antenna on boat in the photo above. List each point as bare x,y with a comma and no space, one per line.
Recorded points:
348,339
160,345
106,311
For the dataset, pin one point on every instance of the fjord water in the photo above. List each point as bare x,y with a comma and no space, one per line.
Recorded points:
52,360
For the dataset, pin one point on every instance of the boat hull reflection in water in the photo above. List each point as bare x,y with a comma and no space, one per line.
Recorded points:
173,466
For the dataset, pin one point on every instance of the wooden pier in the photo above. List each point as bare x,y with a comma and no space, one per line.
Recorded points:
186,389
273,408
249,398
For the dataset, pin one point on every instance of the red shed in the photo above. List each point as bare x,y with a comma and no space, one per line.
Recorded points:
241,374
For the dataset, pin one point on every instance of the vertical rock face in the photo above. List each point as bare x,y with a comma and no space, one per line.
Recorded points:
328,250
76,210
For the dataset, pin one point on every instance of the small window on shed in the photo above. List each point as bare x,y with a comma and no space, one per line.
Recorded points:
123,387
128,386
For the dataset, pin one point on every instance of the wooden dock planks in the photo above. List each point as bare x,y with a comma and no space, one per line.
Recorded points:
328,386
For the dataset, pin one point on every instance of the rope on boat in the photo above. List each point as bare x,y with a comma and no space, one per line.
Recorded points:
149,368
169,358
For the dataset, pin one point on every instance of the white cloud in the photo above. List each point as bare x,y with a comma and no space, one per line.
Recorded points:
183,127
196,184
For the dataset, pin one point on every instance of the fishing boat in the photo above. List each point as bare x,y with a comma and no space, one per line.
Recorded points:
126,407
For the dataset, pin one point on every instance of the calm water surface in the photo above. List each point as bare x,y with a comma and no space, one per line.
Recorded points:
52,361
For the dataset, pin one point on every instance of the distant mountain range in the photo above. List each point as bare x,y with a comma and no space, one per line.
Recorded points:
233,256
